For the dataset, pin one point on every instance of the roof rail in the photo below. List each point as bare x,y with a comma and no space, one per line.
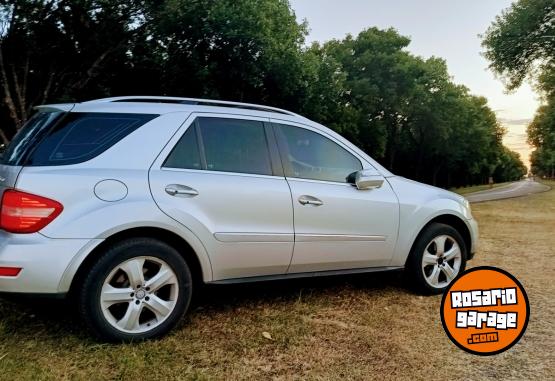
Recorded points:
194,101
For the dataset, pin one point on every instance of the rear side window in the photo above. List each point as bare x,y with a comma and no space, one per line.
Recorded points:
223,144
79,137
28,135
185,153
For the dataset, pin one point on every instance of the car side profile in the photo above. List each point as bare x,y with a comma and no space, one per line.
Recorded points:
130,203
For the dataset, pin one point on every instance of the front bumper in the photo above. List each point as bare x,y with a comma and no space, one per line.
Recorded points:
43,262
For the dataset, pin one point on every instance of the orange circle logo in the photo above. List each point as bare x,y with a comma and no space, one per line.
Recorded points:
485,311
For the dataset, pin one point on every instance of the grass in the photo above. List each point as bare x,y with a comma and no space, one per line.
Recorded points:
357,327
476,188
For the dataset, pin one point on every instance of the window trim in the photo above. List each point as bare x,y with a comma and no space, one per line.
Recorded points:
271,145
283,154
200,144
275,157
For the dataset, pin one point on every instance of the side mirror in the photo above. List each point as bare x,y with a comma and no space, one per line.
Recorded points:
366,179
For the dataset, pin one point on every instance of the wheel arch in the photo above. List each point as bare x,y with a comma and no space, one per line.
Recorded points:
198,270
451,220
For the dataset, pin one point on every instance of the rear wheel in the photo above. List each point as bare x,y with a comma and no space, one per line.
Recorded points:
138,289
437,257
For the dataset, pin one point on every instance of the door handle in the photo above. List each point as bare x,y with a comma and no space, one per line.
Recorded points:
310,200
179,190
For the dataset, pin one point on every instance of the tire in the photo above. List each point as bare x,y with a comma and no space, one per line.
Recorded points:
138,289
427,260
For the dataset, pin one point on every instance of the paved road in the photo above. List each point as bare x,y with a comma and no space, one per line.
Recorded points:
516,189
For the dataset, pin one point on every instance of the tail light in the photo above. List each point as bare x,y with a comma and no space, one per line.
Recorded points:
10,271
22,212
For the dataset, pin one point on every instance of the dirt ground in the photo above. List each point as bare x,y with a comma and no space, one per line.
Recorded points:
356,327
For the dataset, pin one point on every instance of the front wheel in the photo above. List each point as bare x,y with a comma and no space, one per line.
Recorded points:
437,257
138,289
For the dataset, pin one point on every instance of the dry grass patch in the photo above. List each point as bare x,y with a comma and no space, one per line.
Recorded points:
356,327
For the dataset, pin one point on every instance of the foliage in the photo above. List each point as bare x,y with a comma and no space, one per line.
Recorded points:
520,39
244,49
407,112
520,43
56,50
403,110
541,134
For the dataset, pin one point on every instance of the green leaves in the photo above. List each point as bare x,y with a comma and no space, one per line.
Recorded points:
541,134
520,44
404,110
522,37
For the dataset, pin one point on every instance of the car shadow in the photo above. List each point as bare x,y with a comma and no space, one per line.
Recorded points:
50,319
219,297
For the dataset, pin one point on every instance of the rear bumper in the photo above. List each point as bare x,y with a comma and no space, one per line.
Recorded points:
43,262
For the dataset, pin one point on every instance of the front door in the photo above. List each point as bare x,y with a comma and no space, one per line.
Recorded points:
337,226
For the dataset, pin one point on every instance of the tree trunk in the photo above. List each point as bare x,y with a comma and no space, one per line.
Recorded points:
419,161
8,98
3,138
391,157
435,173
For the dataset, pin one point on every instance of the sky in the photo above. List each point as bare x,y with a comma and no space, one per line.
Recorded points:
443,28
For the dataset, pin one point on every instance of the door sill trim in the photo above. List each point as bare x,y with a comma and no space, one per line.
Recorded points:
264,278
304,237
254,237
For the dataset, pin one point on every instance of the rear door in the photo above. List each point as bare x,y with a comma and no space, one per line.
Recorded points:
221,177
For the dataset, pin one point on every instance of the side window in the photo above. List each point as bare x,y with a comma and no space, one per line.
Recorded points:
27,136
234,145
223,144
309,155
79,137
186,152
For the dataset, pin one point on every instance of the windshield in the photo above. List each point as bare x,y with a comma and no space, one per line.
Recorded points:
14,153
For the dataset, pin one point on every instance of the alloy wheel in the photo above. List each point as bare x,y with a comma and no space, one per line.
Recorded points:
139,294
441,261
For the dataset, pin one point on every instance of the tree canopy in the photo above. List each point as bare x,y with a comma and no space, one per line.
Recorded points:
541,134
403,110
522,40
521,44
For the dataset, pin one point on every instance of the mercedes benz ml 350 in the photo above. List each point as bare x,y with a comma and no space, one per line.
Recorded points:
130,203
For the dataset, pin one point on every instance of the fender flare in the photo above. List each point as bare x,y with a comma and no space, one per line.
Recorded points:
185,234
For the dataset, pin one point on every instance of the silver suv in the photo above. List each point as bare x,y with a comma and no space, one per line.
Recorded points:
130,203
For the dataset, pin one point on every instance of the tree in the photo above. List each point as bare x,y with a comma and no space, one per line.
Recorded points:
56,49
541,134
519,44
406,111
510,167
243,50
521,40
375,82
